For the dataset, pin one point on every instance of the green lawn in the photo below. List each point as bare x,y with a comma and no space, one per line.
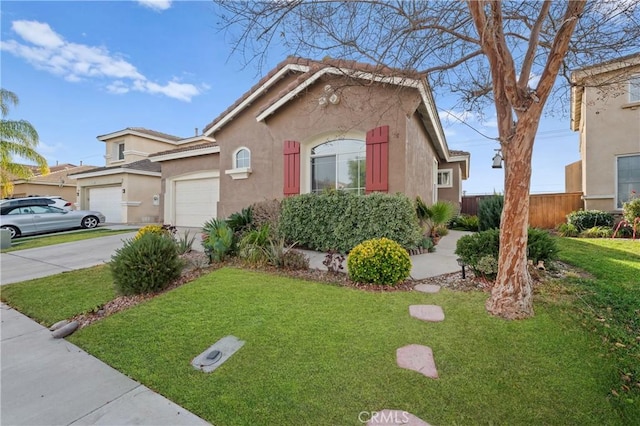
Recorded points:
67,237
321,354
51,299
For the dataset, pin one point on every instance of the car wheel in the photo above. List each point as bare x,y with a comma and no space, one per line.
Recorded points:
90,222
15,232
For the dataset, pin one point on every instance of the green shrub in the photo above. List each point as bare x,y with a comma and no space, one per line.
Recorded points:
433,217
631,209
379,261
597,232
339,220
146,264
472,248
252,245
585,219
241,221
489,212
541,246
488,267
567,230
218,240
464,222
185,242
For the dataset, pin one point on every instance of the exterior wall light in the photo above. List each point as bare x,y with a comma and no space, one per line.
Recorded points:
497,160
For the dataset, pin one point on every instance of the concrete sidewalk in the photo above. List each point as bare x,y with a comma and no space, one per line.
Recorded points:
47,381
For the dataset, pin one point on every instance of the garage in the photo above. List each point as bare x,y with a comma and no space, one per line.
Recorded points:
108,201
196,200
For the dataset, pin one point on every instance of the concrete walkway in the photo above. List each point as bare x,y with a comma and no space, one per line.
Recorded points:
47,381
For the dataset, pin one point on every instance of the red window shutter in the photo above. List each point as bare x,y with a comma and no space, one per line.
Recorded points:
378,160
291,168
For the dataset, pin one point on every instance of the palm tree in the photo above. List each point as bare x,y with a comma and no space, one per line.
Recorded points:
16,138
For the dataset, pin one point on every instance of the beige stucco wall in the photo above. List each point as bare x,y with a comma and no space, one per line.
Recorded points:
30,189
137,200
181,167
136,148
573,177
360,109
418,171
453,194
610,127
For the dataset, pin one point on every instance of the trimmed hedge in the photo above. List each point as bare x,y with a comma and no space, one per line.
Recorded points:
585,219
379,261
340,220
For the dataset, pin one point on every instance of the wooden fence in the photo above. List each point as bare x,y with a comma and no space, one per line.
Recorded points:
545,210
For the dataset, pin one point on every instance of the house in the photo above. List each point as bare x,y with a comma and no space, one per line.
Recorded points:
312,125
605,109
58,182
127,188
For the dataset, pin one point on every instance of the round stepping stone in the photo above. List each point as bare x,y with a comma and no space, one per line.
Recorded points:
58,325
388,417
427,288
432,313
417,358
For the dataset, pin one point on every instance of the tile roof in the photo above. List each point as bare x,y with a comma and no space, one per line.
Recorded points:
149,132
457,153
314,66
186,148
142,165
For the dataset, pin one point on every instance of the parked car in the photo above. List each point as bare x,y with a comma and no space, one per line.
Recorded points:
36,218
53,200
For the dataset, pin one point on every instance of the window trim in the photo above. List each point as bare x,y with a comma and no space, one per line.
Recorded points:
361,189
239,172
634,80
617,175
120,151
450,180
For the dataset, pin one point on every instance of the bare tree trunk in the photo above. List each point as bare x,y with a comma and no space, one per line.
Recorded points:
511,295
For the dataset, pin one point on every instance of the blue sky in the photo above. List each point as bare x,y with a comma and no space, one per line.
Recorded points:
87,68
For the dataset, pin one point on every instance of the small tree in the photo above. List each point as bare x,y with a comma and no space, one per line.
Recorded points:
16,138
509,53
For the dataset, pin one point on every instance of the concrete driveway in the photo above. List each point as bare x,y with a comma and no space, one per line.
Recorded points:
40,262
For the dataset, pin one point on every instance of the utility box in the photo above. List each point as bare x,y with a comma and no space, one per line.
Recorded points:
5,239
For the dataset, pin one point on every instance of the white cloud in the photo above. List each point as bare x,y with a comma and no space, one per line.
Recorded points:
453,116
158,5
47,50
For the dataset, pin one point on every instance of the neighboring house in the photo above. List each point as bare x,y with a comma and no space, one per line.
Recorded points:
605,109
307,126
58,182
127,189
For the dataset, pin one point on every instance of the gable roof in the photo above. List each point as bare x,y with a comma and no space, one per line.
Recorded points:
141,167
310,71
187,151
141,131
60,174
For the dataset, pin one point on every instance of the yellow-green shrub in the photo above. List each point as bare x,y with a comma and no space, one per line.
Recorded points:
379,261
153,229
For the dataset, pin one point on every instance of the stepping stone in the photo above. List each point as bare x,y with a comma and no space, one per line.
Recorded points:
417,358
427,288
388,417
432,313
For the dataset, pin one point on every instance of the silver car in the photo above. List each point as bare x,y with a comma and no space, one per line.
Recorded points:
34,219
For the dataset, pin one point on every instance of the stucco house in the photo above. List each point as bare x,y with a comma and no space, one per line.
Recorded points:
127,188
605,109
59,181
310,125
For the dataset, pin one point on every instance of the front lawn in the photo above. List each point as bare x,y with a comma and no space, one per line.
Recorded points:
320,354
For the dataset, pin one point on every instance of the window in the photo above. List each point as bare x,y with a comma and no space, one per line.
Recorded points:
628,177
242,159
445,178
339,164
118,151
634,89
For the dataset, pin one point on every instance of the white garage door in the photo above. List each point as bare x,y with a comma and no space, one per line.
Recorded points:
196,201
107,201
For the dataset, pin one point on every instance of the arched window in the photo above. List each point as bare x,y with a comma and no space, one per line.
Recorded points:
339,164
242,159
